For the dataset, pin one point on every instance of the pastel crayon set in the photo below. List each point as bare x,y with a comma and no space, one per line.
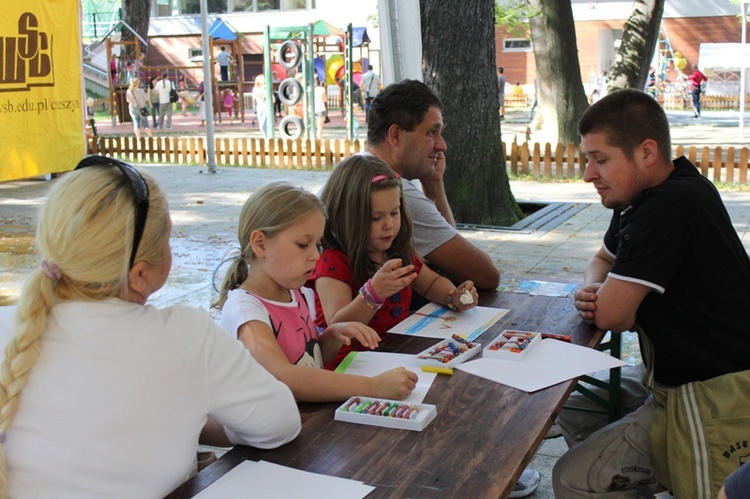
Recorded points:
448,353
386,413
511,345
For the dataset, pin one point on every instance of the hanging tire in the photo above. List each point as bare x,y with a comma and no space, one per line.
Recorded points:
291,121
290,91
289,48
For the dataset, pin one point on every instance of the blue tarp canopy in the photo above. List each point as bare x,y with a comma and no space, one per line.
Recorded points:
219,30
359,36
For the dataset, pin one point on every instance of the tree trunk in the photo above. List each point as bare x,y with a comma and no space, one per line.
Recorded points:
560,93
136,13
458,60
636,51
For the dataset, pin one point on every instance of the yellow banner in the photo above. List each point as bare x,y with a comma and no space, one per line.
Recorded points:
42,104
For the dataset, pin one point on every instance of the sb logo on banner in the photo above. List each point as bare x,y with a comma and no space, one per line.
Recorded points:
26,59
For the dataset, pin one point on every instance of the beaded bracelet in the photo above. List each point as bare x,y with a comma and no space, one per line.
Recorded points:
450,300
370,297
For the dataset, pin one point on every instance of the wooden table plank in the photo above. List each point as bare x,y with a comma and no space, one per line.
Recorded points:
481,441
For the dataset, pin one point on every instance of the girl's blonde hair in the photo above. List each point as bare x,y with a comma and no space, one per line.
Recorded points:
271,209
86,230
347,198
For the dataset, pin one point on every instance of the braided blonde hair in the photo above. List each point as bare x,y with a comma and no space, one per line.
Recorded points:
85,229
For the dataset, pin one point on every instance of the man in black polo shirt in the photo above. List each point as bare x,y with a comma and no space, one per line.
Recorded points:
673,268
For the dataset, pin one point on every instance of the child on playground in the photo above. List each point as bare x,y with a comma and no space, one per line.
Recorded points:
369,268
264,305
229,103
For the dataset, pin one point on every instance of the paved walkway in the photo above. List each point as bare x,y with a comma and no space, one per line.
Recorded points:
205,208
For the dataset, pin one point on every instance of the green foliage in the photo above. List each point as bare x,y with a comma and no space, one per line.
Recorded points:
515,15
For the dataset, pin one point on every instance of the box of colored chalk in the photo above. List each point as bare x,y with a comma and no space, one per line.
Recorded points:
511,345
386,413
448,353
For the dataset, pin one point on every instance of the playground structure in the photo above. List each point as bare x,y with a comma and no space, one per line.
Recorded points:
129,64
306,50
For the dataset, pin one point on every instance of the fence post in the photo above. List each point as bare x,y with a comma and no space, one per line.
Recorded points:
730,165
717,164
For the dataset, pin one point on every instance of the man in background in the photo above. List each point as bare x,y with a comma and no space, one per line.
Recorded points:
370,85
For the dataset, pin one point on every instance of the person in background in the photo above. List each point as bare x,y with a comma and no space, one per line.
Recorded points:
264,304
182,87
201,89
321,109
113,69
260,102
669,246
153,97
116,392
163,88
228,104
370,84
368,267
137,100
501,91
224,59
405,131
696,80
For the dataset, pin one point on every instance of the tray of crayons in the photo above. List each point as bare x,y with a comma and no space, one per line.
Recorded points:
448,353
386,413
511,345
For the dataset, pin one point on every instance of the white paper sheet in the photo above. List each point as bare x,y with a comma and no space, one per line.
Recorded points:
549,363
268,480
374,363
435,321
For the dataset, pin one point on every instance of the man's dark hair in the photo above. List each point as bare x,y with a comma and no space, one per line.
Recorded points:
628,117
500,69
369,66
404,104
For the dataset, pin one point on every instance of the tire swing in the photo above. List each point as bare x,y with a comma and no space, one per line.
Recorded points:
291,121
289,54
290,91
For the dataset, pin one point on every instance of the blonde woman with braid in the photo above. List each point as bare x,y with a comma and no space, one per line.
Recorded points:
102,395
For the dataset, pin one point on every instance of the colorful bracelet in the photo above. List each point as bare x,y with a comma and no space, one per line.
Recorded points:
450,300
370,297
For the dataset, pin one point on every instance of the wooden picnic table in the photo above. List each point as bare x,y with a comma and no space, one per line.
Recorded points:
482,439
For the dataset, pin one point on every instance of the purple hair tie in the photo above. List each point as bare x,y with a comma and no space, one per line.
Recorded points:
378,178
51,270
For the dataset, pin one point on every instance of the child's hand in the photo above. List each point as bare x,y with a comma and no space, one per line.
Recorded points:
396,384
345,332
462,294
392,278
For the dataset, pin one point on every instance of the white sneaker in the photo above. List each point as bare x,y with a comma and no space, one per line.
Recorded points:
527,484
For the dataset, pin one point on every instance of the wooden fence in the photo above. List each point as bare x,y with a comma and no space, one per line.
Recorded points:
522,159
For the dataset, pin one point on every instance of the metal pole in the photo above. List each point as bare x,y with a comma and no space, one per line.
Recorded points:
743,68
208,91
349,85
270,113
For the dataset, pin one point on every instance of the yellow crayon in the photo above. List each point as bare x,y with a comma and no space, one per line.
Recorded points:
440,370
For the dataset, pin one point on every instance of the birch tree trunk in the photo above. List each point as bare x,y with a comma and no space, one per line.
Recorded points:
636,51
560,94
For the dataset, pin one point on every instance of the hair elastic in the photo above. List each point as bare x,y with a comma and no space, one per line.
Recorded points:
51,270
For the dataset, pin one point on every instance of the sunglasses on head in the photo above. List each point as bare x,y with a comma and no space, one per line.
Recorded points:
138,188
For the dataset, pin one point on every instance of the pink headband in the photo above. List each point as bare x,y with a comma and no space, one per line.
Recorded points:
378,178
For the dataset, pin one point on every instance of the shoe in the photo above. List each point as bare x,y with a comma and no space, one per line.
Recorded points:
527,484
554,431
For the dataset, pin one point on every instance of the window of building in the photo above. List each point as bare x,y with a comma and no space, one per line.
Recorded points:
264,5
294,4
195,54
516,45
